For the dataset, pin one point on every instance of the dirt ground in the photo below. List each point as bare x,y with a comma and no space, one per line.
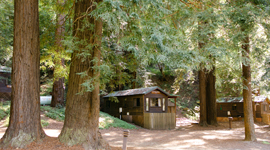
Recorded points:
187,135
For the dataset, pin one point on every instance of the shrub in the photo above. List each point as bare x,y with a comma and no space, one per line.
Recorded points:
54,113
44,123
4,109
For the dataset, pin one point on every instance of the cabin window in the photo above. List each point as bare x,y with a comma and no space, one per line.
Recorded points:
155,102
163,104
147,104
136,102
265,108
234,107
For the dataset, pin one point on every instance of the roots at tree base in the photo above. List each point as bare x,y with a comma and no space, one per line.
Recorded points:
20,141
89,139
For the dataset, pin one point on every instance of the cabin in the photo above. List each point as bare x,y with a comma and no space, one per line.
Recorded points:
262,108
151,107
230,107
5,83
234,107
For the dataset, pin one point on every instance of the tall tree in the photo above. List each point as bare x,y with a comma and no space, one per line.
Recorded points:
202,96
211,98
244,16
82,105
24,124
59,81
247,91
207,92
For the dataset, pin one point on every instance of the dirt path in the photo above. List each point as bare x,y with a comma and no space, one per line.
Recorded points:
188,135
191,137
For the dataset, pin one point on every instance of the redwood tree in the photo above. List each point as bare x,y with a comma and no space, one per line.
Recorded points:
244,21
82,105
59,81
247,92
207,80
202,96
24,124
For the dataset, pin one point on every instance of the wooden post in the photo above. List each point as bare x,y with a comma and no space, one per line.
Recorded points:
125,133
175,109
230,122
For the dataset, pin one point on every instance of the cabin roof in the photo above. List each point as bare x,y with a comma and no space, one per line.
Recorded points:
140,91
259,98
229,99
240,99
5,69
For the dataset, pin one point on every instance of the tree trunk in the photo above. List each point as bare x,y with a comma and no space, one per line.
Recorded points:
58,92
202,95
202,80
82,110
58,84
134,80
24,124
248,111
211,98
161,69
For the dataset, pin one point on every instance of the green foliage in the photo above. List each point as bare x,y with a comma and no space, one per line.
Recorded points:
106,121
114,99
6,122
44,123
6,31
46,87
4,109
53,55
54,113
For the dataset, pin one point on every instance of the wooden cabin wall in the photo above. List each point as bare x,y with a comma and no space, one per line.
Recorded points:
265,112
5,92
223,108
171,109
258,111
127,104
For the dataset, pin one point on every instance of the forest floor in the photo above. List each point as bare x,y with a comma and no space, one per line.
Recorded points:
187,135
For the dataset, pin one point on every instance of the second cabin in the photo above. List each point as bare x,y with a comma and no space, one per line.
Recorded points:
147,107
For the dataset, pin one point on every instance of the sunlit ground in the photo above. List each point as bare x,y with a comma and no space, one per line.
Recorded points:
192,137
185,136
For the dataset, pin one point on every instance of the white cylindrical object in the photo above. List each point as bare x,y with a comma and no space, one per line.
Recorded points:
125,143
229,113
125,133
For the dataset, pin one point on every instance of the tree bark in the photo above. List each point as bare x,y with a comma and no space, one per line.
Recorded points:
82,110
202,95
134,80
247,96
58,84
211,98
58,92
24,124
202,79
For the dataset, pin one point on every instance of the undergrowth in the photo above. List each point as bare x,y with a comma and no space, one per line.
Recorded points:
44,123
106,121
54,113
4,109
